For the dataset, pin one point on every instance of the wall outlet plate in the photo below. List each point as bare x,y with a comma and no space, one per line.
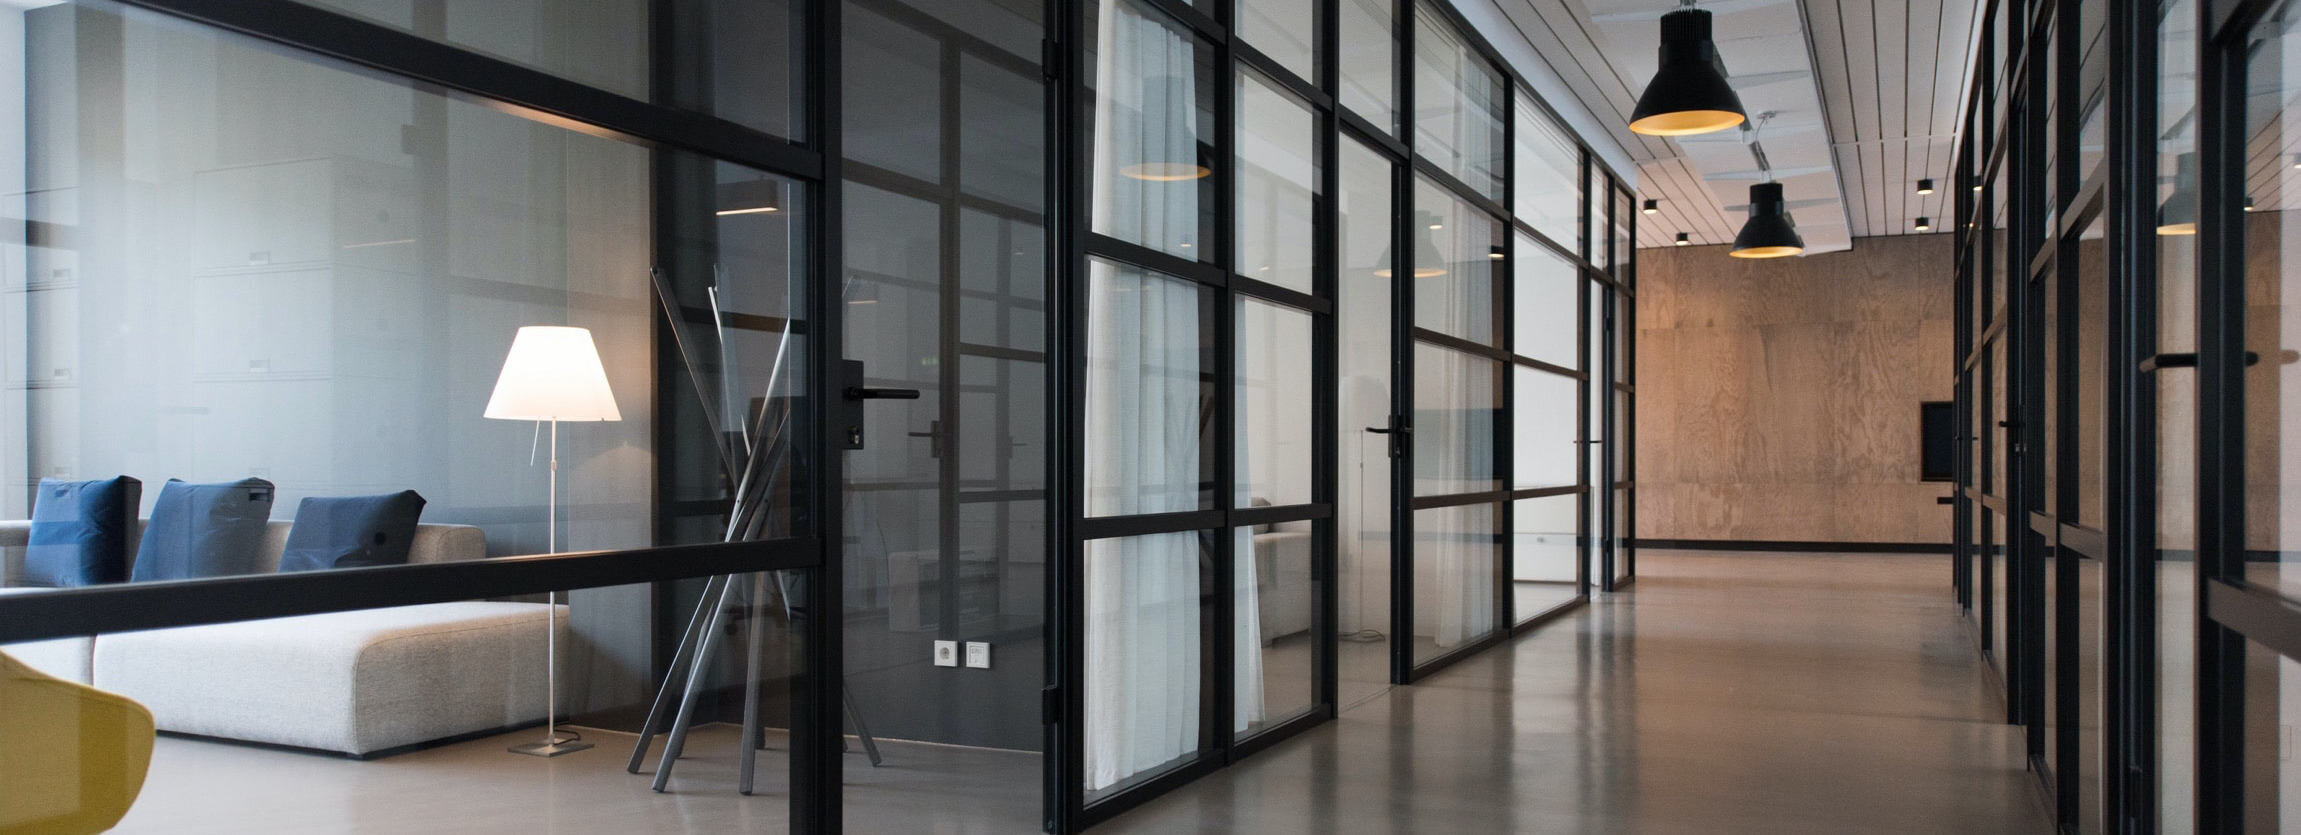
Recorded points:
946,653
979,655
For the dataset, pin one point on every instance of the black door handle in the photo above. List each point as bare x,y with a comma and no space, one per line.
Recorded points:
869,393
1407,430
2186,360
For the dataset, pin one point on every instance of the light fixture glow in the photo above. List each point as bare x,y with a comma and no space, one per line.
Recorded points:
2178,214
1682,240
1167,104
760,196
1769,233
1428,261
2249,204
1924,224
1651,207
1166,172
1496,253
1925,186
1689,93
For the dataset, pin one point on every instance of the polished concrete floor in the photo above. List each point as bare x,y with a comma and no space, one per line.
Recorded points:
1722,693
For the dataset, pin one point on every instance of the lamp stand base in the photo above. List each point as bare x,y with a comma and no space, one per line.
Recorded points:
552,748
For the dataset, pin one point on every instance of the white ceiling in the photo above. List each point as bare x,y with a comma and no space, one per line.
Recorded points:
1865,96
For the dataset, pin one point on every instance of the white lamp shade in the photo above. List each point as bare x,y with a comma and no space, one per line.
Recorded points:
553,373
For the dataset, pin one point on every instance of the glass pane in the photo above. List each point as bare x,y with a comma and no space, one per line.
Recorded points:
1149,342
2092,355
2092,133
1545,324
1457,276
1542,575
1153,122
2272,386
1542,438
1277,180
2272,697
750,48
2091,689
1547,192
1457,399
1273,402
1362,396
1285,30
1369,60
1275,596
1619,265
1596,229
1624,512
328,318
2048,296
1456,552
1594,462
1147,639
2176,478
1459,98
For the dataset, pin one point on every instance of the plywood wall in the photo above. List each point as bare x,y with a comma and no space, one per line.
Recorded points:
1778,399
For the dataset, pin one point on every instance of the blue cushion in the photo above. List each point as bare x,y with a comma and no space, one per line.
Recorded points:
205,530
352,531
80,531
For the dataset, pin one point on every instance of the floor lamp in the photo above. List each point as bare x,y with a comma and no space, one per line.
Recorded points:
553,374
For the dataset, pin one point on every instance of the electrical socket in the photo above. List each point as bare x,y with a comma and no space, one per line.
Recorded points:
946,653
979,655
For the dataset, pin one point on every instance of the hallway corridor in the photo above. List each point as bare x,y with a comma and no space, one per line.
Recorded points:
1722,692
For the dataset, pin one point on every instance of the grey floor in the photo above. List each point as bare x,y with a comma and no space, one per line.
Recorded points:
1722,693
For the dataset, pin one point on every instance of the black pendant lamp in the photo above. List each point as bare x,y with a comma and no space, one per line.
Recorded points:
1769,233
1172,95
1428,261
1689,93
2178,214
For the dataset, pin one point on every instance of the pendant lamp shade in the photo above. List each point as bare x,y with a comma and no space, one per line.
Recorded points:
1428,261
1689,93
1769,233
2178,214
1171,152
553,373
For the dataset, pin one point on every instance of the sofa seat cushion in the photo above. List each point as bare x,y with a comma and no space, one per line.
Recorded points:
355,682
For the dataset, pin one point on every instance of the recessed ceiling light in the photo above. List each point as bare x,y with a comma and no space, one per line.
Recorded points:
1925,186
1682,239
1651,207
1924,224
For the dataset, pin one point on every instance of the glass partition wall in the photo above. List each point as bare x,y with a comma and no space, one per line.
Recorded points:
1313,390
1347,216
2122,182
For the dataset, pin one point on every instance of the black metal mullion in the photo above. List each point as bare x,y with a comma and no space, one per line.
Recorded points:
2220,401
1067,311
1221,669
1402,360
2130,428
818,736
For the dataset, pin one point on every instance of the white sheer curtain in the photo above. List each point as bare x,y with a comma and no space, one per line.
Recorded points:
1146,595
1454,554
1454,558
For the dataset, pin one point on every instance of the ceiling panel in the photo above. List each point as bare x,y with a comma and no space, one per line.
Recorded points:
1866,91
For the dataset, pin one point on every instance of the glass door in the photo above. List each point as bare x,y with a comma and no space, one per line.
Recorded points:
945,495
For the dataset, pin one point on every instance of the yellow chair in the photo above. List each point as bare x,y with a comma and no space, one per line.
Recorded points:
72,758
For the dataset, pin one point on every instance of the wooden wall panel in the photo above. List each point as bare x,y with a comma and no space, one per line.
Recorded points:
1778,400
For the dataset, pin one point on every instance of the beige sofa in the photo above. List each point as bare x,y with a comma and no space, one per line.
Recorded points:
354,682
